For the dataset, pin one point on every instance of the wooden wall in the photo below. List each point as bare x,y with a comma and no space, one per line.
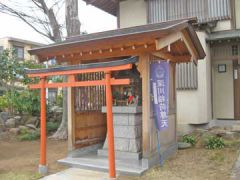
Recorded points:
90,128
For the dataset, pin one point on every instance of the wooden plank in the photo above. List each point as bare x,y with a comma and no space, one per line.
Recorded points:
144,64
190,46
169,56
115,53
168,40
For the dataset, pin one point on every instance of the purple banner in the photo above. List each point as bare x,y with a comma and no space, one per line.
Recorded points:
159,74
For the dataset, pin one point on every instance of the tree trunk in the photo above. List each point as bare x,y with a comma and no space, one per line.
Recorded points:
73,28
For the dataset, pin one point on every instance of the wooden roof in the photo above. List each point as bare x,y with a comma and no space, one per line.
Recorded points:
174,40
109,6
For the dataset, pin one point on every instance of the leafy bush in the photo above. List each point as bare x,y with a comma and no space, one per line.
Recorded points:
52,126
213,142
22,101
29,136
3,103
189,139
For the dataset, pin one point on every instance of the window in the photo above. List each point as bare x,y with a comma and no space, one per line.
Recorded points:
186,76
1,49
19,52
204,10
234,50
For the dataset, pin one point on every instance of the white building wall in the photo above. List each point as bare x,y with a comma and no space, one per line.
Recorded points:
132,13
194,106
237,15
223,91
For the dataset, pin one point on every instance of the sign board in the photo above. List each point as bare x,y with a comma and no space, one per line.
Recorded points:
159,74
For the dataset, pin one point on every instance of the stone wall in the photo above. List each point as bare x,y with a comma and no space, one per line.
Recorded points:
127,130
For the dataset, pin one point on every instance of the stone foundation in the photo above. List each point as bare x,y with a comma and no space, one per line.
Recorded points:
127,132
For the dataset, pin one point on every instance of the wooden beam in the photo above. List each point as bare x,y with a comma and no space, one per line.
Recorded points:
144,61
106,53
168,40
190,46
71,115
169,56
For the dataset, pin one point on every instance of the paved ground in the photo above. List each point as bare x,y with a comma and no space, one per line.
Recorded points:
76,173
236,170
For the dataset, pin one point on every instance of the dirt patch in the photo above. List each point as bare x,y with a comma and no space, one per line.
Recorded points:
194,164
19,160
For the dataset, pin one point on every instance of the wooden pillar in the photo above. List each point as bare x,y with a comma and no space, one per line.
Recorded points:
71,115
144,68
110,130
43,135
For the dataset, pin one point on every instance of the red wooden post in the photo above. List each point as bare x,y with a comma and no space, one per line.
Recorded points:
42,165
110,130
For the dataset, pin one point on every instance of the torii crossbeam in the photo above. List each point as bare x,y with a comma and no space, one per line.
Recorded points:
71,71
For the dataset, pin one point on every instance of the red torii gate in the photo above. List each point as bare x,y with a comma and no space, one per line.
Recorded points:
71,71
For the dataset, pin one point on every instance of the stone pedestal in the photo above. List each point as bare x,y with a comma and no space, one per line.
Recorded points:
127,132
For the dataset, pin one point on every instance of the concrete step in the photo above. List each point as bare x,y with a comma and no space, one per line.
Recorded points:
94,162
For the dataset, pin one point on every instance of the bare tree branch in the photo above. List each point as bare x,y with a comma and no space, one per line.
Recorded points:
45,24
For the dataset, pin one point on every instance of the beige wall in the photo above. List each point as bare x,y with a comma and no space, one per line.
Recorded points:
223,92
194,106
222,26
10,44
132,13
237,11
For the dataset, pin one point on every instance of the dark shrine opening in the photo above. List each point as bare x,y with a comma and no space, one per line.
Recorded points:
90,119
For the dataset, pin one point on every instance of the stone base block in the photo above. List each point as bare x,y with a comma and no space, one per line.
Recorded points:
42,169
125,144
121,154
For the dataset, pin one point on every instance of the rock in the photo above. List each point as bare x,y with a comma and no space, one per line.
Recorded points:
183,145
236,128
10,123
56,109
31,126
231,135
18,120
14,131
51,120
2,127
23,128
32,120
4,116
220,132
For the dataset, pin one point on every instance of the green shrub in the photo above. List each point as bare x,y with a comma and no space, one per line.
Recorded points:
3,102
52,126
29,136
189,139
25,101
213,142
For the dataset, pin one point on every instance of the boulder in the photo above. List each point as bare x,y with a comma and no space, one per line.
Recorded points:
183,145
10,123
236,128
14,131
18,119
32,120
56,109
31,126
4,116
231,135
23,128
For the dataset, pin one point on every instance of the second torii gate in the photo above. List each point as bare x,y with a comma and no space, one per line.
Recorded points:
71,71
